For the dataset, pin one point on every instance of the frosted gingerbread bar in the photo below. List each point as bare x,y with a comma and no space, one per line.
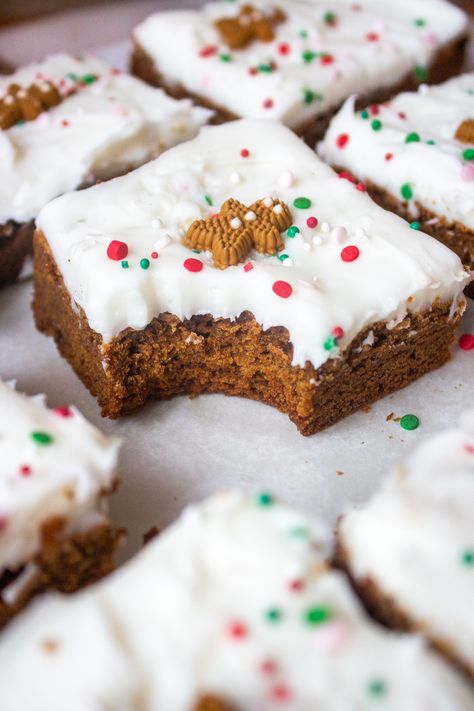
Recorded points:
410,550
416,155
297,60
55,472
232,608
66,123
239,263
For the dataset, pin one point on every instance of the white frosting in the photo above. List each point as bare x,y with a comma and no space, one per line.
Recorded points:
39,481
441,180
174,40
398,270
192,614
413,536
107,127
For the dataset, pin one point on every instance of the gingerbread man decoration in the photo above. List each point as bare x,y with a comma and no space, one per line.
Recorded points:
250,25
237,229
27,103
465,131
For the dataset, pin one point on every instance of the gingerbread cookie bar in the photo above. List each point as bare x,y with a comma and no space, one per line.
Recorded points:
232,608
239,263
410,550
416,155
66,123
55,472
298,61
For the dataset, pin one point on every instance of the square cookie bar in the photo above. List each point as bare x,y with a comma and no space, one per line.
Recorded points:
410,550
56,470
416,155
298,61
240,263
66,123
233,607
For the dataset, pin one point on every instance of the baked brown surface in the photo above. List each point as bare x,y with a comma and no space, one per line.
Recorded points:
384,609
212,703
16,243
207,355
447,63
65,563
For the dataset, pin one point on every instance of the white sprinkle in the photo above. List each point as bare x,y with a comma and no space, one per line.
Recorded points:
267,201
339,235
315,280
21,94
235,223
235,178
424,89
156,223
278,209
307,247
162,242
359,233
325,227
288,262
8,100
286,179
44,120
317,240
250,216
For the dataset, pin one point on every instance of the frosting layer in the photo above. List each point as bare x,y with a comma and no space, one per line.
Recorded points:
411,150
234,600
53,463
106,124
346,263
322,53
415,538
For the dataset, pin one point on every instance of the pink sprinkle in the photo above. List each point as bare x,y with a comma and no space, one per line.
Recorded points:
467,172
248,267
280,692
154,255
374,109
469,448
268,104
120,110
430,39
312,222
342,140
466,342
115,72
245,153
345,175
62,412
337,332
296,585
284,48
402,115
208,51
237,630
332,636
25,470
372,37
268,667
361,187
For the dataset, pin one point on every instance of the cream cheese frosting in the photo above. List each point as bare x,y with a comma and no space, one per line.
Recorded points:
53,463
107,123
346,263
413,145
233,600
415,539
322,53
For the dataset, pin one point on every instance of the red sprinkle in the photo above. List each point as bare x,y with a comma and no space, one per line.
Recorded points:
154,255
282,289
117,250
350,253
372,37
469,448
312,222
327,59
193,265
253,71
466,342
337,332
388,156
280,692
361,187
248,267
345,175
268,104
268,667
62,412
342,140
208,51
116,72
25,470
245,153
237,630
65,123
296,585
374,109
402,115
284,48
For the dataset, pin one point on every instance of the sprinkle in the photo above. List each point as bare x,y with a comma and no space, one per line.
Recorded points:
3,523
312,222
245,152
372,37
376,125
377,687
361,187
326,59
42,438
350,253
208,199
237,630
413,138
339,234
292,231
325,226
235,178
268,104
62,412
282,289
283,256
208,51
468,154
235,223
406,191
296,585
268,667
225,57
318,615
309,96
388,156
25,470
89,78
286,179
467,172
299,532
284,48
124,264
144,263
308,56
364,114
419,22
265,68
193,265
409,422
342,140
337,332
302,203
467,557
154,255
330,343
280,692
421,73
330,18
466,342
248,267
250,216
415,225
265,499
273,614
117,250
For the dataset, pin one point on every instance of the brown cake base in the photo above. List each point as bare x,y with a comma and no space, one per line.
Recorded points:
203,354
385,609
16,244
447,63
65,563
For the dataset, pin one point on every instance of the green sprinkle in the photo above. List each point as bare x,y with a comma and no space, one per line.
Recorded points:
415,225
196,251
409,422
144,263
42,438
302,203
376,125
308,56
330,18
265,68
420,22
330,343
471,92
273,614
299,532
72,76
265,499
282,257
377,687
406,191
309,96
225,57
318,615
303,34
467,557
293,230
430,142
413,138
208,199
468,154
20,122
124,264
421,73
364,114
89,78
